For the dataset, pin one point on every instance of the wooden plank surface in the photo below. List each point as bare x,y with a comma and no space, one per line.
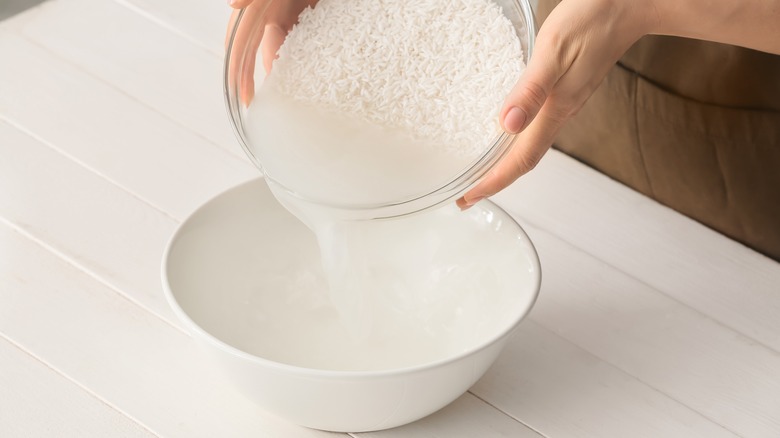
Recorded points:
677,256
676,350
203,23
562,390
39,402
140,59
467,416
105,231
108,131
149,370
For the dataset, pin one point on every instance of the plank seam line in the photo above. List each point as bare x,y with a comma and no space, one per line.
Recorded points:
610,363
83,70
630,375
538,432
59,254
84,165
718,322
642,382
78,384
167,26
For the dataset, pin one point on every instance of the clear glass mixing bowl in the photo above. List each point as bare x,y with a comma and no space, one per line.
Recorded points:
245,72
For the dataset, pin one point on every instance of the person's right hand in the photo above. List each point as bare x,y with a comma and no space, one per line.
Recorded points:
263,26
576,46
580,42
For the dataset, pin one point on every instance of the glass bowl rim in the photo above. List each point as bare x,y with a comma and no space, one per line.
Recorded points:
448,191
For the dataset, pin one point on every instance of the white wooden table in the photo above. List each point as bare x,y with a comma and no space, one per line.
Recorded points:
112,129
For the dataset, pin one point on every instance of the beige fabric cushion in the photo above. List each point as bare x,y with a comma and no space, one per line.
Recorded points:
694,125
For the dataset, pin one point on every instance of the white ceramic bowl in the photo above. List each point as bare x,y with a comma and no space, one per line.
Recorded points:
209,280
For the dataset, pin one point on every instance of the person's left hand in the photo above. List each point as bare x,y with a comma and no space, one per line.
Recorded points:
263,26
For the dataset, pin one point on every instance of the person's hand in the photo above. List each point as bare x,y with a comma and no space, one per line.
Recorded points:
575,48
263,26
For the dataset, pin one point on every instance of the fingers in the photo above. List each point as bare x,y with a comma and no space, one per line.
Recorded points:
231,25
247,76
530,93
233,61
528,149
238,4
282,16
246,41
272,40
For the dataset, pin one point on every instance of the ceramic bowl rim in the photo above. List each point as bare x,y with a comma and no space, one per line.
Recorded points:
214,341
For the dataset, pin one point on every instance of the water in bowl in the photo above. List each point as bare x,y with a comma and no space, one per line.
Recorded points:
376,294
335,159
424,288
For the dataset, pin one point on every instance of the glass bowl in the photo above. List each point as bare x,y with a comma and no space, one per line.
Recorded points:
380,187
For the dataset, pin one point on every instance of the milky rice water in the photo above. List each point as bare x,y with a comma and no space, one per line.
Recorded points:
376,101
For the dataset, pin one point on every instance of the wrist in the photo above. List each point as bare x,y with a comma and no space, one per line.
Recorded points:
637,19
633,19
716,20
654,12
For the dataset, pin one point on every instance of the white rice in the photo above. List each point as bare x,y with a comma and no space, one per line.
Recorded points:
439,69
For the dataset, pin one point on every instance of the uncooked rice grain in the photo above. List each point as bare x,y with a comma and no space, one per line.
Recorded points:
439,69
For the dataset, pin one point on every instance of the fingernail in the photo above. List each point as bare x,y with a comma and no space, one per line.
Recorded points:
232,2
464,204
514,120
473,201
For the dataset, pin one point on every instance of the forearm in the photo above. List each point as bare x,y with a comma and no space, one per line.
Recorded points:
749,23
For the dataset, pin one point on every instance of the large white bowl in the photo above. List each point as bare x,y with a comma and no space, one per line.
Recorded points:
208,272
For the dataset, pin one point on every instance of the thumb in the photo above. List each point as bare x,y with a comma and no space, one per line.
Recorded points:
528,149
526,100
238,4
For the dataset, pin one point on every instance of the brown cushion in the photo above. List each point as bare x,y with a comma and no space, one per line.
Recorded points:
694,125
